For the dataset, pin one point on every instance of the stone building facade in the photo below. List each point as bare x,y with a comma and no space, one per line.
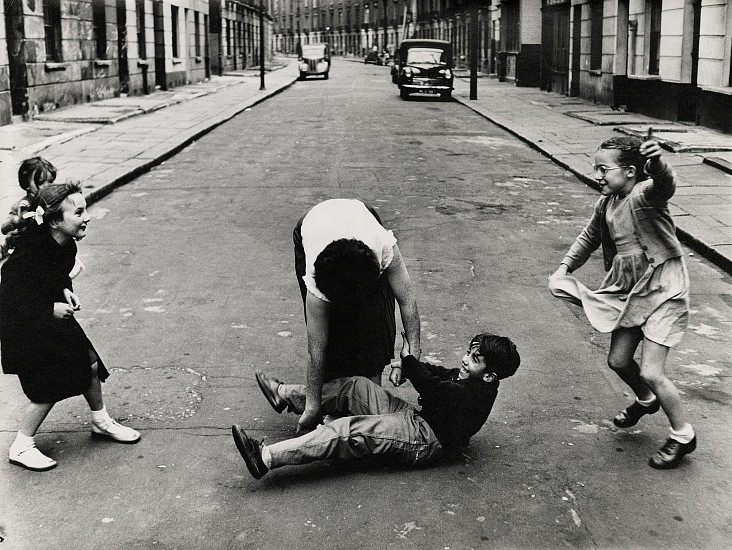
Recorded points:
63,52
670,59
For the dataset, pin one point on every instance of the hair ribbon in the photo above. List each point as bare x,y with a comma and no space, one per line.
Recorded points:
37,214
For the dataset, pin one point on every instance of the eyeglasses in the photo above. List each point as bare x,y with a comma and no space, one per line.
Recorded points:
603,170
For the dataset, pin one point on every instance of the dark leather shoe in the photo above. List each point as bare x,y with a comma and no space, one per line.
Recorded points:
670,455
632,414
251,452
269,389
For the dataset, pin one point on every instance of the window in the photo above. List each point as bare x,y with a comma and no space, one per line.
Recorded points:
99,29
52,29
174,30
654,37
140,19
228,37
197,34
596,35
512,26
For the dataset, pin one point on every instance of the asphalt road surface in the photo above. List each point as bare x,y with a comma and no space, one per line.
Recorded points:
190,287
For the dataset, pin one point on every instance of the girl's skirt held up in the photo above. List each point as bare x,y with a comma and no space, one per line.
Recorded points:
634,293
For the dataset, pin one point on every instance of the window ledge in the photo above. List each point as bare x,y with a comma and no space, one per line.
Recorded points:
102,62
595,72
644,77
726,90
177,61
198,59
55,66
143,63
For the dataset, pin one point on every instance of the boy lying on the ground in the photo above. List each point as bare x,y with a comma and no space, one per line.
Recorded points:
455,404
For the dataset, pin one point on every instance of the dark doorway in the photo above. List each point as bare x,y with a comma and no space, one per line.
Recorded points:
15,34
690,98
159,36
124,68
574,90
555,43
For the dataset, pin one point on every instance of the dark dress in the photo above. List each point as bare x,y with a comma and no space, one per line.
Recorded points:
360,335
52,357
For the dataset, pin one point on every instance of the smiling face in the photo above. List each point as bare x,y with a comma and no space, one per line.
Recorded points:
473,365
617,180
74,219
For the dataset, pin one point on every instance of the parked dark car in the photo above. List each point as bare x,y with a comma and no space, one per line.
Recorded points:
372,57
423,66
314,60
377,58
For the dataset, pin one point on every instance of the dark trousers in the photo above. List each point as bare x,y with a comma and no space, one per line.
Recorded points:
360,334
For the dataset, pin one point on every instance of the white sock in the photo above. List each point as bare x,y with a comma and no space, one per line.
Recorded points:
266,457
684,435
22,442
646,402
101,417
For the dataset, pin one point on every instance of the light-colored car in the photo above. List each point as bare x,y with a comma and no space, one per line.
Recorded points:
314,60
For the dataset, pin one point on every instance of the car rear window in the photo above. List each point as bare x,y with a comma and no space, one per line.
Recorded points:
316,51
425,55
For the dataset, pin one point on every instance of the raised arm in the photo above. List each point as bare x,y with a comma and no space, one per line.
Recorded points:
401,286
317,312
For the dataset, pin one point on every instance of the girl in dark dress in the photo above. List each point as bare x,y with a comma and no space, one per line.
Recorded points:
40,339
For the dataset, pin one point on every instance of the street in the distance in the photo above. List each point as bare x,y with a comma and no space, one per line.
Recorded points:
190,287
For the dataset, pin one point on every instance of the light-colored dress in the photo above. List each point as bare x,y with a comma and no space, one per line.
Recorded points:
634,293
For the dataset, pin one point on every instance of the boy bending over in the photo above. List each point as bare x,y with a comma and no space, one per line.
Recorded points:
455,403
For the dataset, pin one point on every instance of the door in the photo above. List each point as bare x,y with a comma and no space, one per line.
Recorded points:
576,50
688,101
124,68
159,35
15,34
556,40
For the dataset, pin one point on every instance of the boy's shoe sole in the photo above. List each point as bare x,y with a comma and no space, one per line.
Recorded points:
250,451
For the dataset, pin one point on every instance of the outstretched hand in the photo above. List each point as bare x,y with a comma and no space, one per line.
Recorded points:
652,151
309,420
560,272
395,376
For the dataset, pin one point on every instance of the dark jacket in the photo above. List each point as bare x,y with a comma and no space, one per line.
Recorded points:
455,409
51,356
652,224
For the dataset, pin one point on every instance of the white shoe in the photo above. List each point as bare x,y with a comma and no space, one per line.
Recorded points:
115,430
32,459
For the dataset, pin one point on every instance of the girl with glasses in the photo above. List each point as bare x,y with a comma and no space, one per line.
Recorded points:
644,297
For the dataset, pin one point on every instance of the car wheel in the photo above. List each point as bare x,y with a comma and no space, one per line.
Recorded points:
302,76
446,96
404,94
325,76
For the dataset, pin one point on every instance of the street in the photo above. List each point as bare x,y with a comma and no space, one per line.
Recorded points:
189,287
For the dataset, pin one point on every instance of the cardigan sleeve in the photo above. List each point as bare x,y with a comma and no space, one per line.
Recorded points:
588,240
660,187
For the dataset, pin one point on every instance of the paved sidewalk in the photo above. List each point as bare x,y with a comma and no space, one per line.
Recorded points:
569,129
108,143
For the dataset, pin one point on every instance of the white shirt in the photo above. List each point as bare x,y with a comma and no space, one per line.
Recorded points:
336,219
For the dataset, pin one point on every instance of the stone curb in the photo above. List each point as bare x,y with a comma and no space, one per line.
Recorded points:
687,238
100,192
